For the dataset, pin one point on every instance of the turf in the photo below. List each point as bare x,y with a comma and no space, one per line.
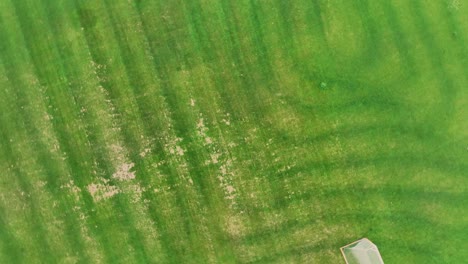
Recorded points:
232,131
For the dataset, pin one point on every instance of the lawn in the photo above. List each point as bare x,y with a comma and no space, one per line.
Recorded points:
232,131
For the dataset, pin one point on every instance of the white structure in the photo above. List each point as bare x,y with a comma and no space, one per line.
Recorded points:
362,251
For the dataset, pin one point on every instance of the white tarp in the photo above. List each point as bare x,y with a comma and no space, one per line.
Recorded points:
362,252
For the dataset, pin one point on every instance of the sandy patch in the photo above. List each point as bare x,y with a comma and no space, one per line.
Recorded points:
202,131
234,226
230,189
137,192
123,173
214,158
72,188
227,120
41,184
201,124
454,4
145,152
173,146
208,140
100,191
179,151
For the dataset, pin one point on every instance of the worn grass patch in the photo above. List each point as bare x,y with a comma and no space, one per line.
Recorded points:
232,131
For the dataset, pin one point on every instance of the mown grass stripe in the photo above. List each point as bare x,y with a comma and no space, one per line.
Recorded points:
92,41
400,39
26,121
136,79
11,249
134,235
372,51
35,219
218,81
447,84
235,100
129,132
179,126
231,98
52,174
267,76
239,56
216,89
288,36
232,23
63,129
11,246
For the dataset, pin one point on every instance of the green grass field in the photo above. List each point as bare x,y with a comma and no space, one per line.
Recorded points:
232,131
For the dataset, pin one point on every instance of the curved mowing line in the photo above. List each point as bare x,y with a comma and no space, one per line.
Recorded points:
313,16
292,252
400,160
393,131
315,168
423,250
258,39
371,102
386,191
368,54
243,86
376,221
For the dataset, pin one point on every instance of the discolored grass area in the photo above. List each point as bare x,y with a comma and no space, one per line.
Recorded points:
227,131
